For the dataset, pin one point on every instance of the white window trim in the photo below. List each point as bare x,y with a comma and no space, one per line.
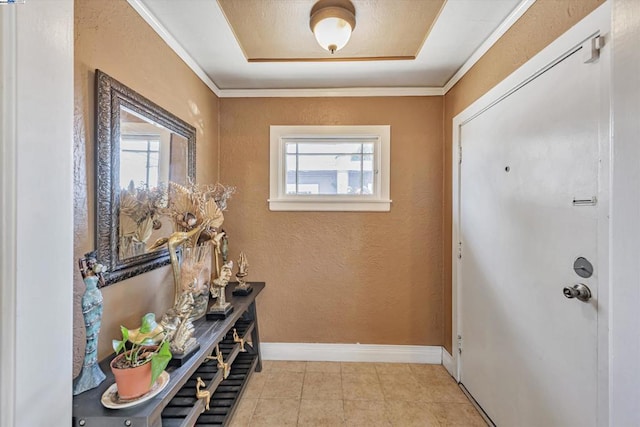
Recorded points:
378,202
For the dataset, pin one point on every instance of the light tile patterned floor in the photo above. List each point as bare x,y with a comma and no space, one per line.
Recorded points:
314,394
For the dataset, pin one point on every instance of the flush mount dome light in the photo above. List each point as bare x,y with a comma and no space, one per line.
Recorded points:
332,23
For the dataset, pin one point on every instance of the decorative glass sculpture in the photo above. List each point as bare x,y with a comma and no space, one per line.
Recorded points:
91,375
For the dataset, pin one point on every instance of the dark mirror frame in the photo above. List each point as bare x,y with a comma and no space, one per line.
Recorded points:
110,96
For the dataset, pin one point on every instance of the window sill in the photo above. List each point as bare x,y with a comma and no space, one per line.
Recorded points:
330,205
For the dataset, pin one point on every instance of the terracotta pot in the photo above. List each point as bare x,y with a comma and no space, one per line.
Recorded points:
132,382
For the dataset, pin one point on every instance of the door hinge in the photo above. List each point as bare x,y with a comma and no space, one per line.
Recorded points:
591,49
459,250
459,344
460,154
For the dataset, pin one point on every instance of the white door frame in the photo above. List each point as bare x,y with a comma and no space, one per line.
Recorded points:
598,22
36,141
8,189
624,338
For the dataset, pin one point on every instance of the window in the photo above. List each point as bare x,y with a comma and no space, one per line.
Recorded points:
330,168
139,160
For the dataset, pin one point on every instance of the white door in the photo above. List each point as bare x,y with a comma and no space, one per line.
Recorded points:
529,354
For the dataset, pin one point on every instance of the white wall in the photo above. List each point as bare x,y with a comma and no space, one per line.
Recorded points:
37,226
625,218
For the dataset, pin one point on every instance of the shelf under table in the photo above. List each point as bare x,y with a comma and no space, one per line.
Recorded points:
184,411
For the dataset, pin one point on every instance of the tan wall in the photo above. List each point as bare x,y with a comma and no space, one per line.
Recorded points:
332,277
545,21
341,277
111,36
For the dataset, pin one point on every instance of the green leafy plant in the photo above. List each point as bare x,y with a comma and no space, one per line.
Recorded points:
140,354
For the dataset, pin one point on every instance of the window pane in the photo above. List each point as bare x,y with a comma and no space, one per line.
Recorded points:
139,162
291,148
367,163
153,169
367,174
133,144
133,167
368,147
336,148
153,159
291,174
328,174
291,162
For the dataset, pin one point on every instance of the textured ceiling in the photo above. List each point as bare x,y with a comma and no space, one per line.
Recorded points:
276,30
200,29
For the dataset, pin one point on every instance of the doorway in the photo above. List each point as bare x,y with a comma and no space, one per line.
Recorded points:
531,225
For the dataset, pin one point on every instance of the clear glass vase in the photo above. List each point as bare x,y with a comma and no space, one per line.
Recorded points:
195,276
130,247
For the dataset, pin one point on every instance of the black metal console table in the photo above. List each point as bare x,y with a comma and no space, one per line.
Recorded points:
177,405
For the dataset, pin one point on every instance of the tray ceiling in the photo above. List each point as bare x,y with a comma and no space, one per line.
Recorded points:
205,37
266,29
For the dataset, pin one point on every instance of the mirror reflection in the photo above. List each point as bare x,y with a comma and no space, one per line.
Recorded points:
150,157
150,154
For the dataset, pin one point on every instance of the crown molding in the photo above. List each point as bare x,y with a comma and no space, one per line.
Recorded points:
331,92
522,7
173,44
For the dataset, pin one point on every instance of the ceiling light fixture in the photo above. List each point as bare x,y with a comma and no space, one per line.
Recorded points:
332,23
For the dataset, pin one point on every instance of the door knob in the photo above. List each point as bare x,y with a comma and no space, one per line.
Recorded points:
580,291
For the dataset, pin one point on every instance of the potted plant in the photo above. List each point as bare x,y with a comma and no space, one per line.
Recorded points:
137,369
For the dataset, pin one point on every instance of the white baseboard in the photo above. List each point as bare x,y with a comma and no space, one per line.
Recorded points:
449,363
352,353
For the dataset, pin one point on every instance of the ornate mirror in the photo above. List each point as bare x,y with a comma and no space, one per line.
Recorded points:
140,147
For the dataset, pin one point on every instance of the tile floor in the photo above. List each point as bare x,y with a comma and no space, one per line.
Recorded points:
353,394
